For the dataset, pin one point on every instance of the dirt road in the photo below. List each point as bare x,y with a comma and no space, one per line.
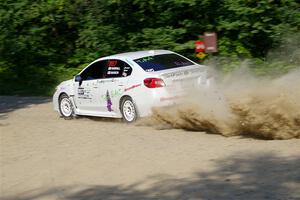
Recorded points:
46,157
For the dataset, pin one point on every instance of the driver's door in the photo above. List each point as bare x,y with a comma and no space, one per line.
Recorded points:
87,90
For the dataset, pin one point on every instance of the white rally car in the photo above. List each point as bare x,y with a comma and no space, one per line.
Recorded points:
128,85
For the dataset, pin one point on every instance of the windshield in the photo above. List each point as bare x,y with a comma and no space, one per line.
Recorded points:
162,62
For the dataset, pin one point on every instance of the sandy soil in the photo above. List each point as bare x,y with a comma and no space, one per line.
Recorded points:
46,157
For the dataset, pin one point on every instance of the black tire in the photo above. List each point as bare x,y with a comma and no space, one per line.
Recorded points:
66,107
128,110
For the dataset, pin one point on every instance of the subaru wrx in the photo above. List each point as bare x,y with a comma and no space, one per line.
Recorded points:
128,85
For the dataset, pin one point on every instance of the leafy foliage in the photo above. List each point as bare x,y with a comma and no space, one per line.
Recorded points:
45,41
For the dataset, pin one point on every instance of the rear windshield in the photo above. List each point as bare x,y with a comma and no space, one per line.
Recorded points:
162,62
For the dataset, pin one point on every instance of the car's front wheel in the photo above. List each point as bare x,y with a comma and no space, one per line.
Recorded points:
65,106
128,110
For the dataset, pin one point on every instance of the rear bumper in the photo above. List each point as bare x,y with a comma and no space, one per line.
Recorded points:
156,99
163,97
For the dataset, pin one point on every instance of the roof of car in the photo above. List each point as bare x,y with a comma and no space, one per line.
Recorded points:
140,54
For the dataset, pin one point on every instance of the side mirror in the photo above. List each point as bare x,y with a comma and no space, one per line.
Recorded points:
78,79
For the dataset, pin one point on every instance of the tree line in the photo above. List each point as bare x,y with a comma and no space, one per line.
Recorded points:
45,41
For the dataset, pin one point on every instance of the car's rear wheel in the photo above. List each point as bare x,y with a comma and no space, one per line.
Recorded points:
128,110
65,107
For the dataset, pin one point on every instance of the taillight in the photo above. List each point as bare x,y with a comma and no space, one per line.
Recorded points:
154,82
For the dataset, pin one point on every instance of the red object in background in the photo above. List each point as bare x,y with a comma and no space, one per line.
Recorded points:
199,46
210,39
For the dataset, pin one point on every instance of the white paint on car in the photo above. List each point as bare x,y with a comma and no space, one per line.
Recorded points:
140,75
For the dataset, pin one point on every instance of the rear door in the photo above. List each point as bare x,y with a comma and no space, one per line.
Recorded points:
112,86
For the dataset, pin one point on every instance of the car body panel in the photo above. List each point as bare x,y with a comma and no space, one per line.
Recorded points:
102,97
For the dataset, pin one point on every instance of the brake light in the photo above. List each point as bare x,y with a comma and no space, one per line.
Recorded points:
154,82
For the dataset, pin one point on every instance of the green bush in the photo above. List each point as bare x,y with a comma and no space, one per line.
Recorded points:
46,41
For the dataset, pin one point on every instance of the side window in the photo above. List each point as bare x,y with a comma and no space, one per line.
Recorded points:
117,68
95,71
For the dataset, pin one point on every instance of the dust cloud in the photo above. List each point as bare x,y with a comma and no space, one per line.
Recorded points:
239,104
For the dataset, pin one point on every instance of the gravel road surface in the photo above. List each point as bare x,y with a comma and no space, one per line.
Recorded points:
43,156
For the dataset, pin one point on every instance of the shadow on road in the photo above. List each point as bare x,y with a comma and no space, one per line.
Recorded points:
11,103
237,177
103,119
